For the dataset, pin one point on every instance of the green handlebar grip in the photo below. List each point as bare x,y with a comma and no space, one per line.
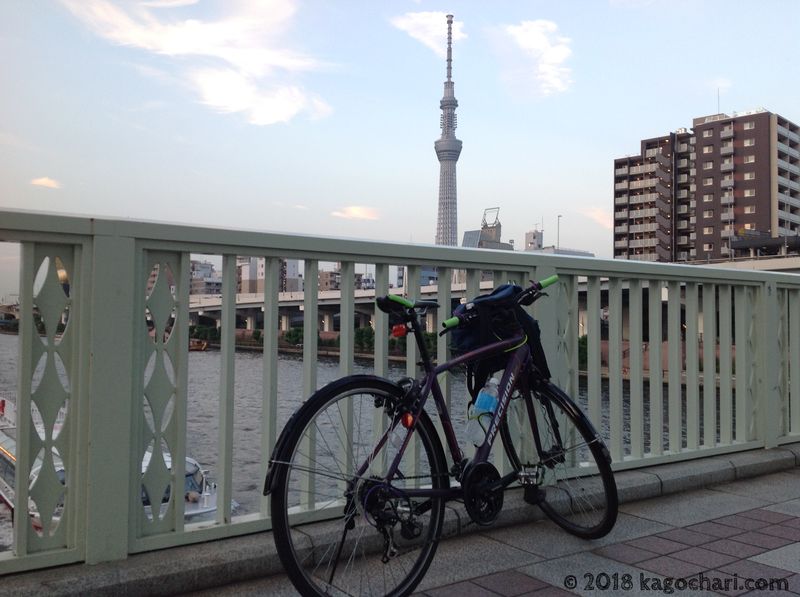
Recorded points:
399,299
450,323
549,281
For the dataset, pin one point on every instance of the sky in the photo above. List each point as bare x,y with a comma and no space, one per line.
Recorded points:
320,117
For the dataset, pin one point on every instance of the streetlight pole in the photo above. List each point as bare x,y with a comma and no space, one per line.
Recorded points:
558,233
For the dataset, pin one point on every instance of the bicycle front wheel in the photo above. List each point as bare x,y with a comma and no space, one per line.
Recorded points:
341,527
574,482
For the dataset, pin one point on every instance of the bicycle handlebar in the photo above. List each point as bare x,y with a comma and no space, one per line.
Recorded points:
533,291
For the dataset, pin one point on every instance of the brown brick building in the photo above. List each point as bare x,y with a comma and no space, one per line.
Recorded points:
730,184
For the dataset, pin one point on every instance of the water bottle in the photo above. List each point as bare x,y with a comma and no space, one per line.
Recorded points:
481,412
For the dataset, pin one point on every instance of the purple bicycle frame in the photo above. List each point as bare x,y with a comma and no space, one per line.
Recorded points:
519,358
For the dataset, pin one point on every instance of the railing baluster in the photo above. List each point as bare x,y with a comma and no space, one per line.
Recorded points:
443,297
346,341
675,366
656,403
593,343
692,369
412,356
743,316
381,362
784,339
794,369
725,370
226,390
615,367
308,444
636,384
269,374
709,365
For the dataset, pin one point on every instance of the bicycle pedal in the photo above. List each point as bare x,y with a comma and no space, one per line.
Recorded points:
528,476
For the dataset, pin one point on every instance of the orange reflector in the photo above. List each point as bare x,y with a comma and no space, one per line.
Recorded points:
407,420
399,330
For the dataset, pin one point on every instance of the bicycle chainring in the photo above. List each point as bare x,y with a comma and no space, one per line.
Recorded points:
482,503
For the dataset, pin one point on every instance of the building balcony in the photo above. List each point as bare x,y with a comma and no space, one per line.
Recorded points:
726,132
726,166
683,225
621,228
727,199
623,200
727,216
683,178
642,184
727,233
726,149
692,236
621,171
682,209
621,186
726,182
682,194
620,244
683,163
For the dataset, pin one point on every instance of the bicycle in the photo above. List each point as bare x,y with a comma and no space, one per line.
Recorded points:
358,478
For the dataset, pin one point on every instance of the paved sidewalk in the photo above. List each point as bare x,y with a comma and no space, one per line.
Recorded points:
729,517
718,540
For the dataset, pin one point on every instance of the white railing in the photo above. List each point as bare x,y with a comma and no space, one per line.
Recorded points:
727,362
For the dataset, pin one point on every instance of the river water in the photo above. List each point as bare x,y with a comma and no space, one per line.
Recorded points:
203,411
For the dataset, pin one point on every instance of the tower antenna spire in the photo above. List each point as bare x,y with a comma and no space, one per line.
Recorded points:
449,47
448,148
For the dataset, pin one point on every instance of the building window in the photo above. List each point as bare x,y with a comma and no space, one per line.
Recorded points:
749,192
707,133
708,230
749,159
749,209
750,125
749,226
708,246
707,182
749,142
708,197
709,213
708,148
749,175
708,165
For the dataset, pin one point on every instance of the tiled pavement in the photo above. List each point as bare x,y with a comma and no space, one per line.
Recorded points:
730,517
732,533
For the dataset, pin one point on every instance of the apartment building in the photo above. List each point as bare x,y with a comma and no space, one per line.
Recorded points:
703,194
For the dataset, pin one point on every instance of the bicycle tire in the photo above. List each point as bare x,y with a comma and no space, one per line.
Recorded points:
583,505
349,561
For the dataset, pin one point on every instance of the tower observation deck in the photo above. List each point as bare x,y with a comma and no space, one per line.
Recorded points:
448,148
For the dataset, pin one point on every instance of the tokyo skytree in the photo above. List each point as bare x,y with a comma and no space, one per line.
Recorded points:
448,148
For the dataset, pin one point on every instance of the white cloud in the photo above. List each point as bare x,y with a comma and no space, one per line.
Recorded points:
46,182
356,212
600,216
168,3
429,28
256,78
544,52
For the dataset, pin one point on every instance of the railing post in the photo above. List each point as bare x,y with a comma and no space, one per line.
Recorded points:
768,364
112,324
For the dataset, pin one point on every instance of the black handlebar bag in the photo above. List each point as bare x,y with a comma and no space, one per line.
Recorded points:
498,317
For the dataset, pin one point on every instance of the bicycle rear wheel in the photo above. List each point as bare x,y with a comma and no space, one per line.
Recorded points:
341,530
575,484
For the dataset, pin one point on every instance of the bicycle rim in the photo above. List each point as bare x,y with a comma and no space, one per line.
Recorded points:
575,485
339,532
